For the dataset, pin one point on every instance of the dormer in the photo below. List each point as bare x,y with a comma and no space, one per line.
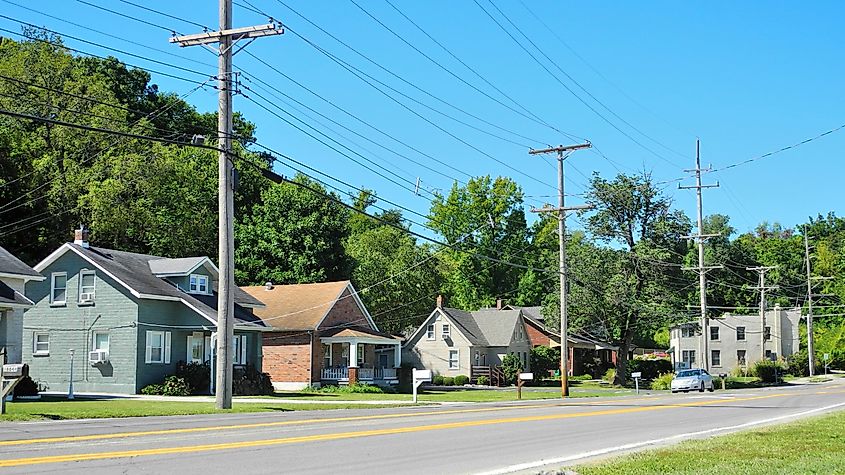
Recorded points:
194,275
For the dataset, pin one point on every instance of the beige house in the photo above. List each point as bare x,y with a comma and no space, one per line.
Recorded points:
14,274
451,341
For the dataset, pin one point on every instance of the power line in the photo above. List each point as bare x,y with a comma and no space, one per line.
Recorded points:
172,17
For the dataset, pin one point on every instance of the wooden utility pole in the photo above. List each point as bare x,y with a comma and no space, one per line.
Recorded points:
810,339
703,343
561,210
225,38
762,288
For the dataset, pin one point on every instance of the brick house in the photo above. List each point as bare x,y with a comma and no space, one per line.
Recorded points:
323,334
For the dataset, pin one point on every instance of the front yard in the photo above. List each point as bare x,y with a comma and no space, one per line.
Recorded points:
811,446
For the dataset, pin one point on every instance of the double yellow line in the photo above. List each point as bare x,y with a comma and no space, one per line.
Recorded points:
332,436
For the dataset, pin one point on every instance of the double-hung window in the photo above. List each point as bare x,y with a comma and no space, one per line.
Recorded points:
41,344
447,331
101,341
58,288
87,285
196,350
198,284
239,356
158,347
687,331
454,363
715,358
688,357
740,333
714,333
429,332
740,357
767,333
327,355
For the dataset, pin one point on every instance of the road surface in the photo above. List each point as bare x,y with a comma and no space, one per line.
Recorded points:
472,438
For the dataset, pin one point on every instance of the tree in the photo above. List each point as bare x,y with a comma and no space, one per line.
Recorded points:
642,286
292,235
544,360
511,367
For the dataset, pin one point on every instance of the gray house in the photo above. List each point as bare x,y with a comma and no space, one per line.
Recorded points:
126,318
14,275
451,341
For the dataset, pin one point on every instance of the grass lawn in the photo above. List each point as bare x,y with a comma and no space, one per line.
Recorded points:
55,408
815,445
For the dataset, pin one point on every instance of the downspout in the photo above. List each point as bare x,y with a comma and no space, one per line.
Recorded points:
311,359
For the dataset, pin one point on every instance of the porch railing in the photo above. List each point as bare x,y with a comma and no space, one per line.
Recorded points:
364,374
385,373
335,374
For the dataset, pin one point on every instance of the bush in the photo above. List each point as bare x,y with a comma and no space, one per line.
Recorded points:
448,381
352,388
739,372
172,386
544,360
438,380
249,382
663,382
595,367
460,380
197,375
799,364
768,371
26,387
511,366
609,375
650,369
583,377
482,381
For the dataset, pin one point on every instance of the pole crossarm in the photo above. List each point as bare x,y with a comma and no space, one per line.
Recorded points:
695,187
560,149
235,34
551,209
704,268
701,236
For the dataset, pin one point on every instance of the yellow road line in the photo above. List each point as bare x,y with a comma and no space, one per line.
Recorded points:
355,434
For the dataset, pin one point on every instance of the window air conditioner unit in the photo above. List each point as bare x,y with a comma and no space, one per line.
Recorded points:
98,357
86,297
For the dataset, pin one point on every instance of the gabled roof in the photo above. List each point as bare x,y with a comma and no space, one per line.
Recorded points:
497,325
13,267
132,270
360,332
9,296
466,325
302,307
180,267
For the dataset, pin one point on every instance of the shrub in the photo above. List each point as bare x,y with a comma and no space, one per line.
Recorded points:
544,360
583,377
460,380
663,382
511,366
609,375
438,380
197,375
768,371
448,381
595,367
799,364
739,372
249,382
172,386
482,380
26,387
650,369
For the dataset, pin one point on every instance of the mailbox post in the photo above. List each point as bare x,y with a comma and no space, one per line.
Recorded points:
637,377
826,359
10,376
519,382
419,376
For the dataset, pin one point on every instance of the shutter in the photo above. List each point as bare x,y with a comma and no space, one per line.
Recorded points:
148,357
166,347
243,349
190,345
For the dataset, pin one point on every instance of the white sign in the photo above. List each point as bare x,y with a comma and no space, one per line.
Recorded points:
637,375
826,356
526,376
422,375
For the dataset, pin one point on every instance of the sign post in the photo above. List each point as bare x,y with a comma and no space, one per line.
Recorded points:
10,376
826,358
519,382
637,377
419,376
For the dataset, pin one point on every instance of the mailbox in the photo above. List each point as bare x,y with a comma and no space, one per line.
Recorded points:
637,375
526,376
11,371
723,375
422,375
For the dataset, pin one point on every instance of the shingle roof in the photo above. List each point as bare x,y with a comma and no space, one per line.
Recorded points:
467,325
133,269
361,332
182,265
8,295
9,264
497,325
296,307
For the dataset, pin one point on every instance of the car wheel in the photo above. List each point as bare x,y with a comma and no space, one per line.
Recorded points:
712,387
701,389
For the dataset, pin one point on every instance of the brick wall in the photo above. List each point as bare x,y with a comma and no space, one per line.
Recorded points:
535,336
345,312
287,356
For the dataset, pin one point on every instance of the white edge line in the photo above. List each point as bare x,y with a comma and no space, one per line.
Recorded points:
595,453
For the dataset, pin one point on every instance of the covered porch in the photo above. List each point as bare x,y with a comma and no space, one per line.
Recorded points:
353,356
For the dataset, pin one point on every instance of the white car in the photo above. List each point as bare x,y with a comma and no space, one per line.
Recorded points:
691,380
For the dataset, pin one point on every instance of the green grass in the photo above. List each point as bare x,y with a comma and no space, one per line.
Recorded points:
55,409
811,446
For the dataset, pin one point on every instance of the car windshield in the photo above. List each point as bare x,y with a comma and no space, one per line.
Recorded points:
688,373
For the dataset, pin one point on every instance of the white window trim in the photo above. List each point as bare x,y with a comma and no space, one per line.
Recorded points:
239,353
94,340
35,350
165,348
457,359
53,288
743,334
446,331
430,332
712,353
199,278
718,334
327,355
94,287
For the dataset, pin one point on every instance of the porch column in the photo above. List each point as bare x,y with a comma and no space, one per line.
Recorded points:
397,356
353,362
571,361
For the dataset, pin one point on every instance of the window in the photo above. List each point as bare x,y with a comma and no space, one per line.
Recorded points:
344,355
520,333
740,333
239,353
158,347
40,343
715,358
453,360
477,357
714,333
196,351
198,283
447,331
688,357
362,355
87,281
687,331
327,355
430,332
101,341
740,357
58,288
767,333
768,354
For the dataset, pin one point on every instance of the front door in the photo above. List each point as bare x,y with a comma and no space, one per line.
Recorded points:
382,361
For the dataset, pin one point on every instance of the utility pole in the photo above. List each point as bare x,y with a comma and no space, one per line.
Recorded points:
226,38
561,210
762,288
810,339
703,343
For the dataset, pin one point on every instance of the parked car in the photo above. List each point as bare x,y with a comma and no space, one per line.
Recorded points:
692,379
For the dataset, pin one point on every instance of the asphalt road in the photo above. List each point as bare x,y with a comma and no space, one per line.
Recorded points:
472,438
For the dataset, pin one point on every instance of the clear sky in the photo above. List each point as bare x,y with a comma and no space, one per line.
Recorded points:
746,77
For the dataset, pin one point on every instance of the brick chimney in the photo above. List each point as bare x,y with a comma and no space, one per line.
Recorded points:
439,301
81,236
499,304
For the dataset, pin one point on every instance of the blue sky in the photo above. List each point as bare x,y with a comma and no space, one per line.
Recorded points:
746,77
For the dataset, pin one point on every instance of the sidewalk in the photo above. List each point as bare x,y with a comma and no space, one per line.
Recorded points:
237,399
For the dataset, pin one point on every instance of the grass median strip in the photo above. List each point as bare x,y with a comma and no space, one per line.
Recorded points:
812,446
